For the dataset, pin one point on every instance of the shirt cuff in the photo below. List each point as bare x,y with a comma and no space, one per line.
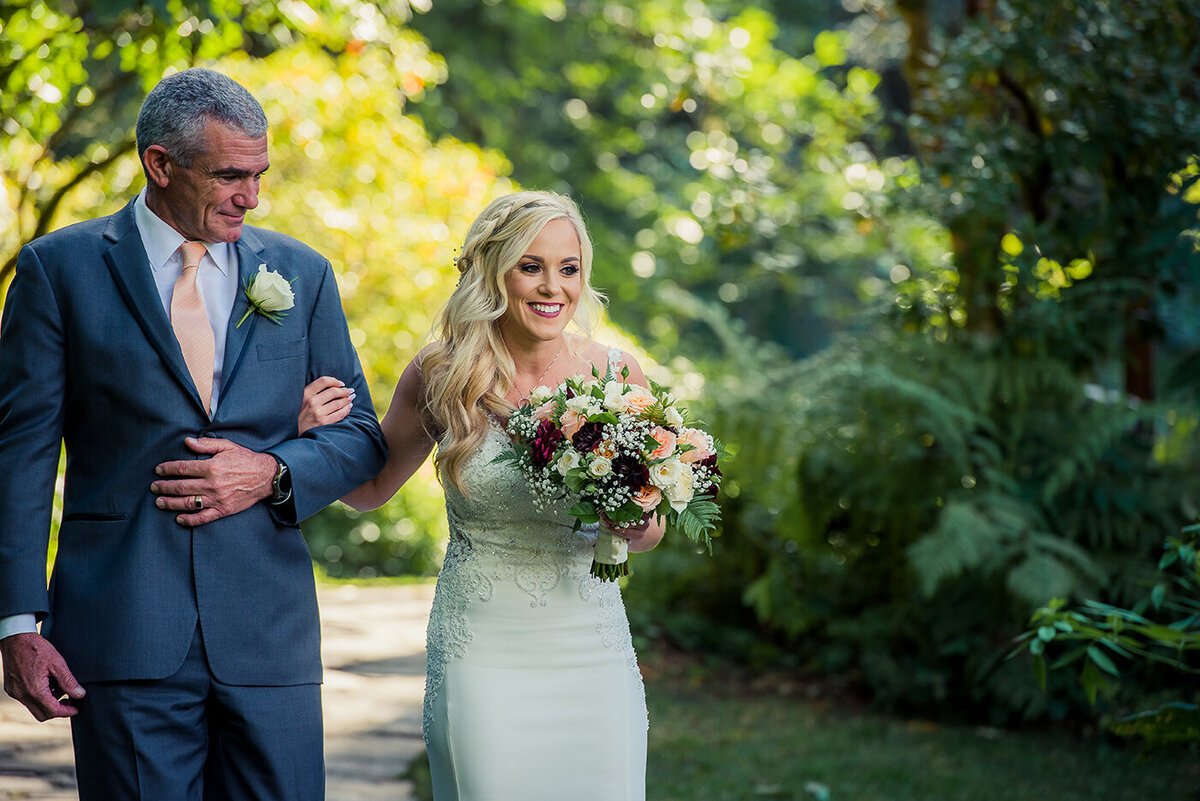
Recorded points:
18,624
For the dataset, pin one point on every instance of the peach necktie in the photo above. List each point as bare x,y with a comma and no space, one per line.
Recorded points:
190,321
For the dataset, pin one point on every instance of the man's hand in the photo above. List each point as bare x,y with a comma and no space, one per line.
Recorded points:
233,479
36,675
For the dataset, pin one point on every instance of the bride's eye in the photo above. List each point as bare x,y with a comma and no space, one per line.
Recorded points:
570,269
529,268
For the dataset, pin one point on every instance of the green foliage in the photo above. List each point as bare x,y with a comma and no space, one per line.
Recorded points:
1095,634
705,155
1063,122
898,505
73,75
900,501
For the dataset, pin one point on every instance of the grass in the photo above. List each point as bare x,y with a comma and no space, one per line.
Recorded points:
723,738
732,745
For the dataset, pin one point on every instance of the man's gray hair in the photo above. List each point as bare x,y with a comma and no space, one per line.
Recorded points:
177,111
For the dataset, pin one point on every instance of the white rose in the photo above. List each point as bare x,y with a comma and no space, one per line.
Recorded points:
614,399
584,404
674,418
683,490
270,291
664,474
600,467
568,461
540,395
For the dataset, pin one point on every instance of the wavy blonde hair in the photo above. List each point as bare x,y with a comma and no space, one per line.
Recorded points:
468,371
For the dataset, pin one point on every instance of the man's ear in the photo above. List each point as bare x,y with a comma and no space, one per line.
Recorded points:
159,166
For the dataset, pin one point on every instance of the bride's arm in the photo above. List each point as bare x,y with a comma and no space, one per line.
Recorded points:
408,444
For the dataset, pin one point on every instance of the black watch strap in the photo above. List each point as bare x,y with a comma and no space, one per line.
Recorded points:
281,485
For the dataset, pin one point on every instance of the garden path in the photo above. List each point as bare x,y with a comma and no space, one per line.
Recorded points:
373,645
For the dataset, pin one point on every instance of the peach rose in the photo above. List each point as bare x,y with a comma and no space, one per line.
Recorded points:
543,412
666,443
638,399
700,442
572,421
648,497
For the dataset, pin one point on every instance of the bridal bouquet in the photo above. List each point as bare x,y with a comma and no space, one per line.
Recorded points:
620,451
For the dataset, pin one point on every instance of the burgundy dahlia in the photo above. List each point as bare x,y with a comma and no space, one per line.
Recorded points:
588,437
545,442
631,471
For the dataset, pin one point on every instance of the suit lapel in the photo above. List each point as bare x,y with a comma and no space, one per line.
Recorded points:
237,336
130,268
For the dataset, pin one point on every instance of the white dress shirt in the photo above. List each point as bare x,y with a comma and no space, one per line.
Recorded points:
217,279
218,284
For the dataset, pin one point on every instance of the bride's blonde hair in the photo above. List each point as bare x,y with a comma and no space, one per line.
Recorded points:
469,370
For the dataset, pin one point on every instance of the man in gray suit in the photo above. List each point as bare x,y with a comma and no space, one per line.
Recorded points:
168,347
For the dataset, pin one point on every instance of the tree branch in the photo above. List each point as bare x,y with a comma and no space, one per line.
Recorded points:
47,211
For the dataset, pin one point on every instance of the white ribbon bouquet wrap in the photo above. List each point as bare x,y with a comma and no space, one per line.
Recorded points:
616,452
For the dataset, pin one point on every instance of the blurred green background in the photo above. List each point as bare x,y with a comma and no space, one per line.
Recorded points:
928,267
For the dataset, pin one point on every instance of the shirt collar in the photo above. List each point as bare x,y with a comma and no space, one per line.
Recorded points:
162,241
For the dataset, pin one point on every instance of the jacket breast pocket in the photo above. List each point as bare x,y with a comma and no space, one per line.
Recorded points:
288,349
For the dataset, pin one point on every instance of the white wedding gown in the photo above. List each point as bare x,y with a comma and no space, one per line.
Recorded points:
532,689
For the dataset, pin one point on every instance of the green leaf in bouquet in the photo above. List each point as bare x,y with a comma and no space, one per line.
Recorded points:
585,512
576,480
629,512
697,520
508,455
649,444
603,417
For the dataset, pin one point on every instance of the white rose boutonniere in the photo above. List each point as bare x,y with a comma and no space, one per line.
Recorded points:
269,294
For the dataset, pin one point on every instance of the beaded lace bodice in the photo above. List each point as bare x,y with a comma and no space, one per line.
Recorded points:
502,550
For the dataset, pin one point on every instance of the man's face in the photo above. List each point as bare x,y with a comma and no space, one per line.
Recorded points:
208,201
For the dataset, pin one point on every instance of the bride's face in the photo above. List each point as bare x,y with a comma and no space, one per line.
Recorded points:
544,285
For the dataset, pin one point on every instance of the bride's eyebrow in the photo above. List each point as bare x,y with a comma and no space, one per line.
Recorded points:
540,260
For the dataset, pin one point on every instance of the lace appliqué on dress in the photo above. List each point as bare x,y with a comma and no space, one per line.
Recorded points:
613,627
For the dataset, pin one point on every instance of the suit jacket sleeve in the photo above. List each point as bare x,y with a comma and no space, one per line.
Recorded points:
329,461
32,402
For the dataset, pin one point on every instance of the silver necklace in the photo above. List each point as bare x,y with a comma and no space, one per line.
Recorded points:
520,392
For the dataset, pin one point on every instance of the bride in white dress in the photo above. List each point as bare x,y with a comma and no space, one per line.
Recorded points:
533,690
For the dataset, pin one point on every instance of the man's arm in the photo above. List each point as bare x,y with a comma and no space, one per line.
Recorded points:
327,462
322,465
32,391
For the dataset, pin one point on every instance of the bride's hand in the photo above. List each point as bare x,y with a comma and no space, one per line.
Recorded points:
630,531
326,400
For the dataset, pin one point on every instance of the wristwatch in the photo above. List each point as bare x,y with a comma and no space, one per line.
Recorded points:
281,485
